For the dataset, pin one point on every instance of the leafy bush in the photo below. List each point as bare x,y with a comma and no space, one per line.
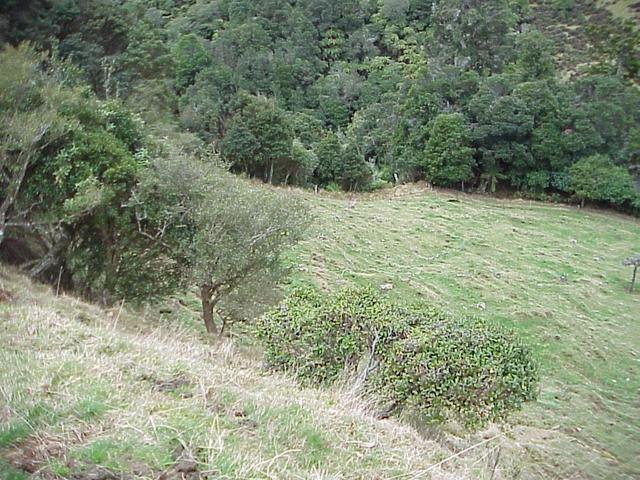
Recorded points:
598,179
414,357
318,337
461,367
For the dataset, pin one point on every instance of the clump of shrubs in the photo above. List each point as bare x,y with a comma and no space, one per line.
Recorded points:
411,357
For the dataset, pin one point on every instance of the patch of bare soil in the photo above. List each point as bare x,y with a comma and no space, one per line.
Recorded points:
32,454
179,383
5,296
184,468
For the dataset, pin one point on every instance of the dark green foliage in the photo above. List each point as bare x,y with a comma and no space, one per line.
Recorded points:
535,56
329,152
448,158
260,139
353,172
412,357
249,77
463,367
190,58
598,179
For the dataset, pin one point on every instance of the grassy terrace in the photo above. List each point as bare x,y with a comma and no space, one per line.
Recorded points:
553,273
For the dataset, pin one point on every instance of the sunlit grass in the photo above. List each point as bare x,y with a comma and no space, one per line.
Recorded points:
553,273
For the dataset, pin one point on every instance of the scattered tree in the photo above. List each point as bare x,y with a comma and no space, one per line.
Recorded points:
598,179
214,231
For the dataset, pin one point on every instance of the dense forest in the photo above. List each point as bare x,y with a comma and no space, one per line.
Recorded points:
351,95
360,93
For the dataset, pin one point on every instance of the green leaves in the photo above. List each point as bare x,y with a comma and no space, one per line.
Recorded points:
191,57
448,157
413,357
597,178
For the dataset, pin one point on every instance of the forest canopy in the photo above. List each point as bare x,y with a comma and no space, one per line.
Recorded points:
359,93
351,95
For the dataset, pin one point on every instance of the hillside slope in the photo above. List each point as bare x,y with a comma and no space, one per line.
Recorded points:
554,273
93,394
568,27
88,393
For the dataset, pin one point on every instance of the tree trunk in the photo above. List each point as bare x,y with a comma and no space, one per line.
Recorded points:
207,309
12,192
3,225
54,257
286,179
271,174
633,278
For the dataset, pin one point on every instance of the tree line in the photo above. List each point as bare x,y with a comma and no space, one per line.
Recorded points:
361,93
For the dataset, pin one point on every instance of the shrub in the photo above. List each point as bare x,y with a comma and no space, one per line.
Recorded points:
463,368
317,337
597,178
414,357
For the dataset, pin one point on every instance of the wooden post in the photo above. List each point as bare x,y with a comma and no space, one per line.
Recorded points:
635,263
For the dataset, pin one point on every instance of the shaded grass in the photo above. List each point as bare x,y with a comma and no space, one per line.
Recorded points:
552,273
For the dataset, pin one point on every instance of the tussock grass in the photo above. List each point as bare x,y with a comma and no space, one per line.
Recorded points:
551,272
82,389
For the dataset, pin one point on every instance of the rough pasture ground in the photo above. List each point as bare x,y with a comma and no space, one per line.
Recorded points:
89,394
554,273
622,8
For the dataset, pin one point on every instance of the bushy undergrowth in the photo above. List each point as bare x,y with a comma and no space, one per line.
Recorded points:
414,357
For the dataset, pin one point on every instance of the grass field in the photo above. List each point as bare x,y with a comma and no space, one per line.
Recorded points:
87,393
627,9
553,273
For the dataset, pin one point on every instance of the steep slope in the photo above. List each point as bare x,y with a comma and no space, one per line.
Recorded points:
93,394
568,30
554,273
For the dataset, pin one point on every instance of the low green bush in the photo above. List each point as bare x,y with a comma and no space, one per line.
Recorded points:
461,368
411,357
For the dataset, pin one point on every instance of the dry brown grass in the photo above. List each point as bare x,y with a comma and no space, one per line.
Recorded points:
82,391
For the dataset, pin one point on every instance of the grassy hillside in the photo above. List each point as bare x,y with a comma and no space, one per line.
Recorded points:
622,8
88,393
551,272
93,394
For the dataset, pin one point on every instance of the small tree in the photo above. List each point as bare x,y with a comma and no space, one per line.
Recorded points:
215,232
448,157
329,153
353,172
260,138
